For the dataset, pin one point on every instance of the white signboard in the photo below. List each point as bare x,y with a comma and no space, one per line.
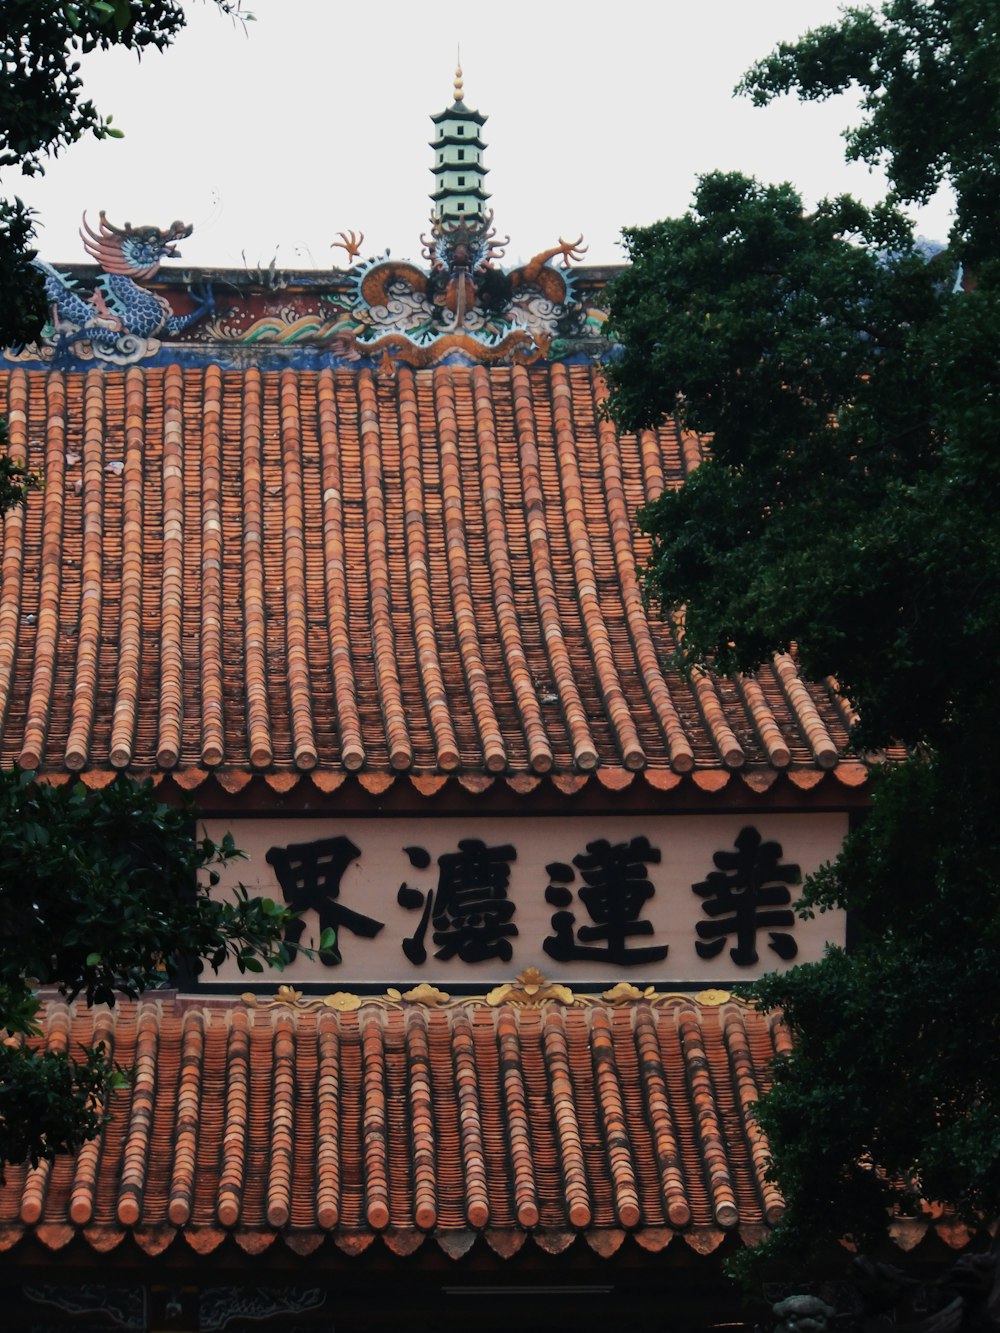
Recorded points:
468,902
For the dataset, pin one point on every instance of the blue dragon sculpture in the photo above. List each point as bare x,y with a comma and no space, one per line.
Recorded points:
120,319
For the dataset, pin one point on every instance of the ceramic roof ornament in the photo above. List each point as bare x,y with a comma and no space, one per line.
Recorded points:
466,304
120,321
458,161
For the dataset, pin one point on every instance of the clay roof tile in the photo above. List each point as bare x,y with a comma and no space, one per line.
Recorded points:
433,572
410,1120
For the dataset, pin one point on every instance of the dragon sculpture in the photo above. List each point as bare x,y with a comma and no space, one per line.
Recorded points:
460,304
120,319
464,301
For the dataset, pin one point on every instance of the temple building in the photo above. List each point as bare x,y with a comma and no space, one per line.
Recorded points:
351,559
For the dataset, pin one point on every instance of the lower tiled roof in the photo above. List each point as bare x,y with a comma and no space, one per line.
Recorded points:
321,573
352,1120
406,1120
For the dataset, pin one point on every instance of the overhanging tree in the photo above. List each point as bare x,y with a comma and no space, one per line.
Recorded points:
851,506
101,893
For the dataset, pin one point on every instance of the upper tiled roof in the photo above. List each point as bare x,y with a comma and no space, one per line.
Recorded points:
504,1118
336,571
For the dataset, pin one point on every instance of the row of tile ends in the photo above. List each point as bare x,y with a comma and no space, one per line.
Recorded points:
905,1233
848,773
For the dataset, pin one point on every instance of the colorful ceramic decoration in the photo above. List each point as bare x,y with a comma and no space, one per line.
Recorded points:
459,306
120,321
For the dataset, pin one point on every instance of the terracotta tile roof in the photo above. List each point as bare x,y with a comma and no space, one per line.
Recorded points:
405,1121
328,572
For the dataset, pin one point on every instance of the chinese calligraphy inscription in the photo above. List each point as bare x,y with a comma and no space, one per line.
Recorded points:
469,910
309,874
615,889
670,899
747,893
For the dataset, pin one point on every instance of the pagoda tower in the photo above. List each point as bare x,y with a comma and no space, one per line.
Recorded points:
458,163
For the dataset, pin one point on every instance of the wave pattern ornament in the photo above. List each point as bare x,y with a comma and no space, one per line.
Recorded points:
404,310
119,322
218,1307
283,328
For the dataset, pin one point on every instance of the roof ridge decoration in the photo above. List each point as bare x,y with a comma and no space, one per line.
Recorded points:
465,304
460,306
458,166
530,989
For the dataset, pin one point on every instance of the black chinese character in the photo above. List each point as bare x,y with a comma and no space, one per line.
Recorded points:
309,874
616,890
737,894
469,911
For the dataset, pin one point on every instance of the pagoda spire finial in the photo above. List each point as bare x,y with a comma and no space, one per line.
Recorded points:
460,174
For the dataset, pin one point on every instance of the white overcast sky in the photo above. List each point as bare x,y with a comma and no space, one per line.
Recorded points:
314,119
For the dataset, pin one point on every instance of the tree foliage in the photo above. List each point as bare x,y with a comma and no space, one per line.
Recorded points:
851,507
927,71
102,894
